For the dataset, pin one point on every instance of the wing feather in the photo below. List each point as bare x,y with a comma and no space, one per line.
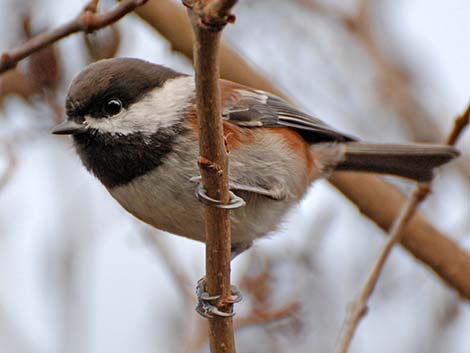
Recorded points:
246,107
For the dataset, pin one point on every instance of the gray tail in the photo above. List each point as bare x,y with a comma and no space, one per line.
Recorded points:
413,161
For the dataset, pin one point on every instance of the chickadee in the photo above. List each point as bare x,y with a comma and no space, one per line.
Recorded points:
134,127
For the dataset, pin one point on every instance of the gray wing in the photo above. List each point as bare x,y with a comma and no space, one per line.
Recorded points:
251,108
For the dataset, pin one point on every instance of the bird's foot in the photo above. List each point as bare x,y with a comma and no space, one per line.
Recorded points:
234,202
208,310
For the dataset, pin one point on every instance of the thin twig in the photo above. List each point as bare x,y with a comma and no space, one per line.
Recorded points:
87,21
208,19
460,123
358,308
366,191
256,318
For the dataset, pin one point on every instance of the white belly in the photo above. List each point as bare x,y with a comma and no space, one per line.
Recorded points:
165,198
173,207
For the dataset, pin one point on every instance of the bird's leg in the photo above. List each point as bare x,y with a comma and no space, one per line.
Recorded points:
204,306
235,201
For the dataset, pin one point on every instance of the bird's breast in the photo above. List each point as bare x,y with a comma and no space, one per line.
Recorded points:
164,196
119,159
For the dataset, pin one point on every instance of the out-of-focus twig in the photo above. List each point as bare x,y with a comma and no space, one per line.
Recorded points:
43,68
258,317
429,245
10,166
358,308
44,73
168,19
260,291
181,279
396,80
208,18
367,192
87,21
58,112
15,82
41,76
103,44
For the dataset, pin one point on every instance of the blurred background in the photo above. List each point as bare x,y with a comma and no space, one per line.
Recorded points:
79,274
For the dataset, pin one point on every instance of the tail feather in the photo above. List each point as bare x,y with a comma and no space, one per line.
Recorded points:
413,161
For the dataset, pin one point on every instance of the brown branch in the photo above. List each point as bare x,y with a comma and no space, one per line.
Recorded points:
208,18
433,248
87,21
358,307
460,123
367,192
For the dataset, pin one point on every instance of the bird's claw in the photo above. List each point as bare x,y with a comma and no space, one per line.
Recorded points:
206,309
235,297
209,311
195,179
235,201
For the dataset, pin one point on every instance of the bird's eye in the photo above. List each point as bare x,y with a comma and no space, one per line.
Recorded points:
113,106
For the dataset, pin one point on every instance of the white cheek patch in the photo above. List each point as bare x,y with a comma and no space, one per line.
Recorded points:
160,108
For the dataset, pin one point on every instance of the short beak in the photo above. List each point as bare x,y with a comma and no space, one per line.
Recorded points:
68,127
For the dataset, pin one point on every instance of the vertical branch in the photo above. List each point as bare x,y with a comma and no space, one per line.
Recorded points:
208,18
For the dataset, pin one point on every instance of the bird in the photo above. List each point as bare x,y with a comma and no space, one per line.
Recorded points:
134,126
